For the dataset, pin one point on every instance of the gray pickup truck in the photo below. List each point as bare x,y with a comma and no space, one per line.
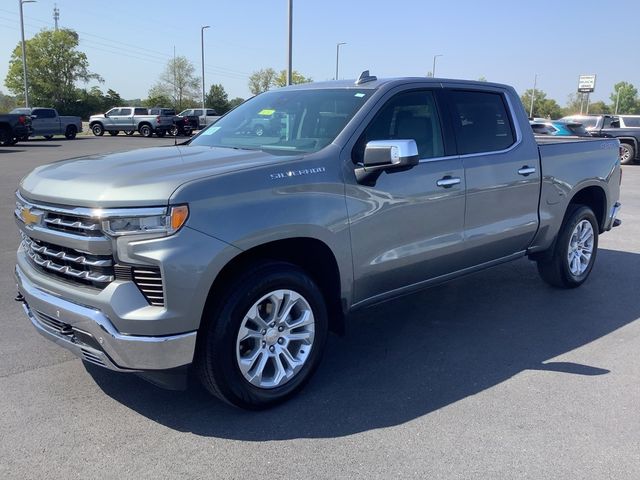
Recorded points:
130,120
45,122
235,254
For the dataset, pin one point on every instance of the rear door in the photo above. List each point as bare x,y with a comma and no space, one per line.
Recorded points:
45,122
502,174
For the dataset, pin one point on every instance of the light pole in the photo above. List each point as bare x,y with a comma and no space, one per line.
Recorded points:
533,95
433,70
338,57
202,50
24,54
618,99
289,56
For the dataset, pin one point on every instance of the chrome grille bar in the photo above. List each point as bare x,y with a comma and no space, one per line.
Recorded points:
77,224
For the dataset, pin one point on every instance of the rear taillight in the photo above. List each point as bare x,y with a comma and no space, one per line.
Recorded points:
22,119
158,119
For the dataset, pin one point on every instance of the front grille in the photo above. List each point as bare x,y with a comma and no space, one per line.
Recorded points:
88,227
70,264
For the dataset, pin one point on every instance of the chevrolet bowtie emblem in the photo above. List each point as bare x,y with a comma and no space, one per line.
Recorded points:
29,218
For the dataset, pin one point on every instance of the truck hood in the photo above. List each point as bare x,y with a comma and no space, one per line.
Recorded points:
144,177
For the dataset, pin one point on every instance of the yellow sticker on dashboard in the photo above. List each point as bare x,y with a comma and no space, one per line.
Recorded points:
266,111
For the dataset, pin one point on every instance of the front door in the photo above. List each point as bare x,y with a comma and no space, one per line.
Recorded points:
408,227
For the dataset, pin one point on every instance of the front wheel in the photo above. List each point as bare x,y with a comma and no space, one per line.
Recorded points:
574,252
97,129
262,342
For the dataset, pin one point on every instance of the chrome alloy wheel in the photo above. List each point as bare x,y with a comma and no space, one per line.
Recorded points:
580,248
275,339
625,153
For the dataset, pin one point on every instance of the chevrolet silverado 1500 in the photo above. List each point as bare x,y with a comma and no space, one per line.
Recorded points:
236,253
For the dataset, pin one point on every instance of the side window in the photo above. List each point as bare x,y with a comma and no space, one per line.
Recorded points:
481,122
140,111
47,113
113,112
211,113
125,111
197,112
407,116
38,112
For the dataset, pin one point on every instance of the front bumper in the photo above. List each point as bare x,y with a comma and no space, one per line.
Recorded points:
90,335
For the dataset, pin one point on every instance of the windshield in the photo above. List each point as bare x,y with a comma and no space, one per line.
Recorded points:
285,120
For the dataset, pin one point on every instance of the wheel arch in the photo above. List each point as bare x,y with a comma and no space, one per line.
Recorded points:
312,255
594,197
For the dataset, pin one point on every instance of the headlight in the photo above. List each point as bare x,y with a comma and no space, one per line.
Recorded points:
146,221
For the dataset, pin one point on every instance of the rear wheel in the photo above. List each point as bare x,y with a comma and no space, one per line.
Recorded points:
262,342
97,129
574,252
146,131
70,132
627,153
6,138
113,133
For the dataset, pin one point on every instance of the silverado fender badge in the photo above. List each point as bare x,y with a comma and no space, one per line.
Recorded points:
297,173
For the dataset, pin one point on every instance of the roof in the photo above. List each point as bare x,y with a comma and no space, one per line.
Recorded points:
375,84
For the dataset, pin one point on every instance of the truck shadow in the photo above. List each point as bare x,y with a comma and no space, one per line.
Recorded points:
409,357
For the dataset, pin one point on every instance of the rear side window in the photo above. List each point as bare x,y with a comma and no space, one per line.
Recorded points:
125,111
140,111
631,121
481,122
44,113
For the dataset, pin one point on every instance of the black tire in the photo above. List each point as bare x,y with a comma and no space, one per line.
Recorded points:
48,137
627,154
113,133
129,132
6,138
145,130
554,268
216,360
97,129
71,132
160,133
173,131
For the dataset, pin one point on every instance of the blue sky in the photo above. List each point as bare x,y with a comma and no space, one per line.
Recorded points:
128,43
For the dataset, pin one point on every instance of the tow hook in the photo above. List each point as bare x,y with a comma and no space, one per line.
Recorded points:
19,298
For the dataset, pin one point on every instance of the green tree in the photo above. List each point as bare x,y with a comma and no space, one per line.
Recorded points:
234,102
178,82
542,106
628,103
7,102
296,78
575,101
158,98
55,65
112,99
262,80
482,79
599,108
218,99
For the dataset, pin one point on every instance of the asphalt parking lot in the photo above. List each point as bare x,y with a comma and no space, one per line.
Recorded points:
493,376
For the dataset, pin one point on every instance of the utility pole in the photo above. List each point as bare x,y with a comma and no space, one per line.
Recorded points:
618,99
338,57
587,112
202,50
289,60
56,15
433,69
24,54
533,95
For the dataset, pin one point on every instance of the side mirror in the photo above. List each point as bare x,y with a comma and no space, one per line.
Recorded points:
386,155
33,117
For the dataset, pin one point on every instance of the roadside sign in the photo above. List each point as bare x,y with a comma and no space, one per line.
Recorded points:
586,83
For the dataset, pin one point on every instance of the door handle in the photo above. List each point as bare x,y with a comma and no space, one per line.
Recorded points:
526,170
448,182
